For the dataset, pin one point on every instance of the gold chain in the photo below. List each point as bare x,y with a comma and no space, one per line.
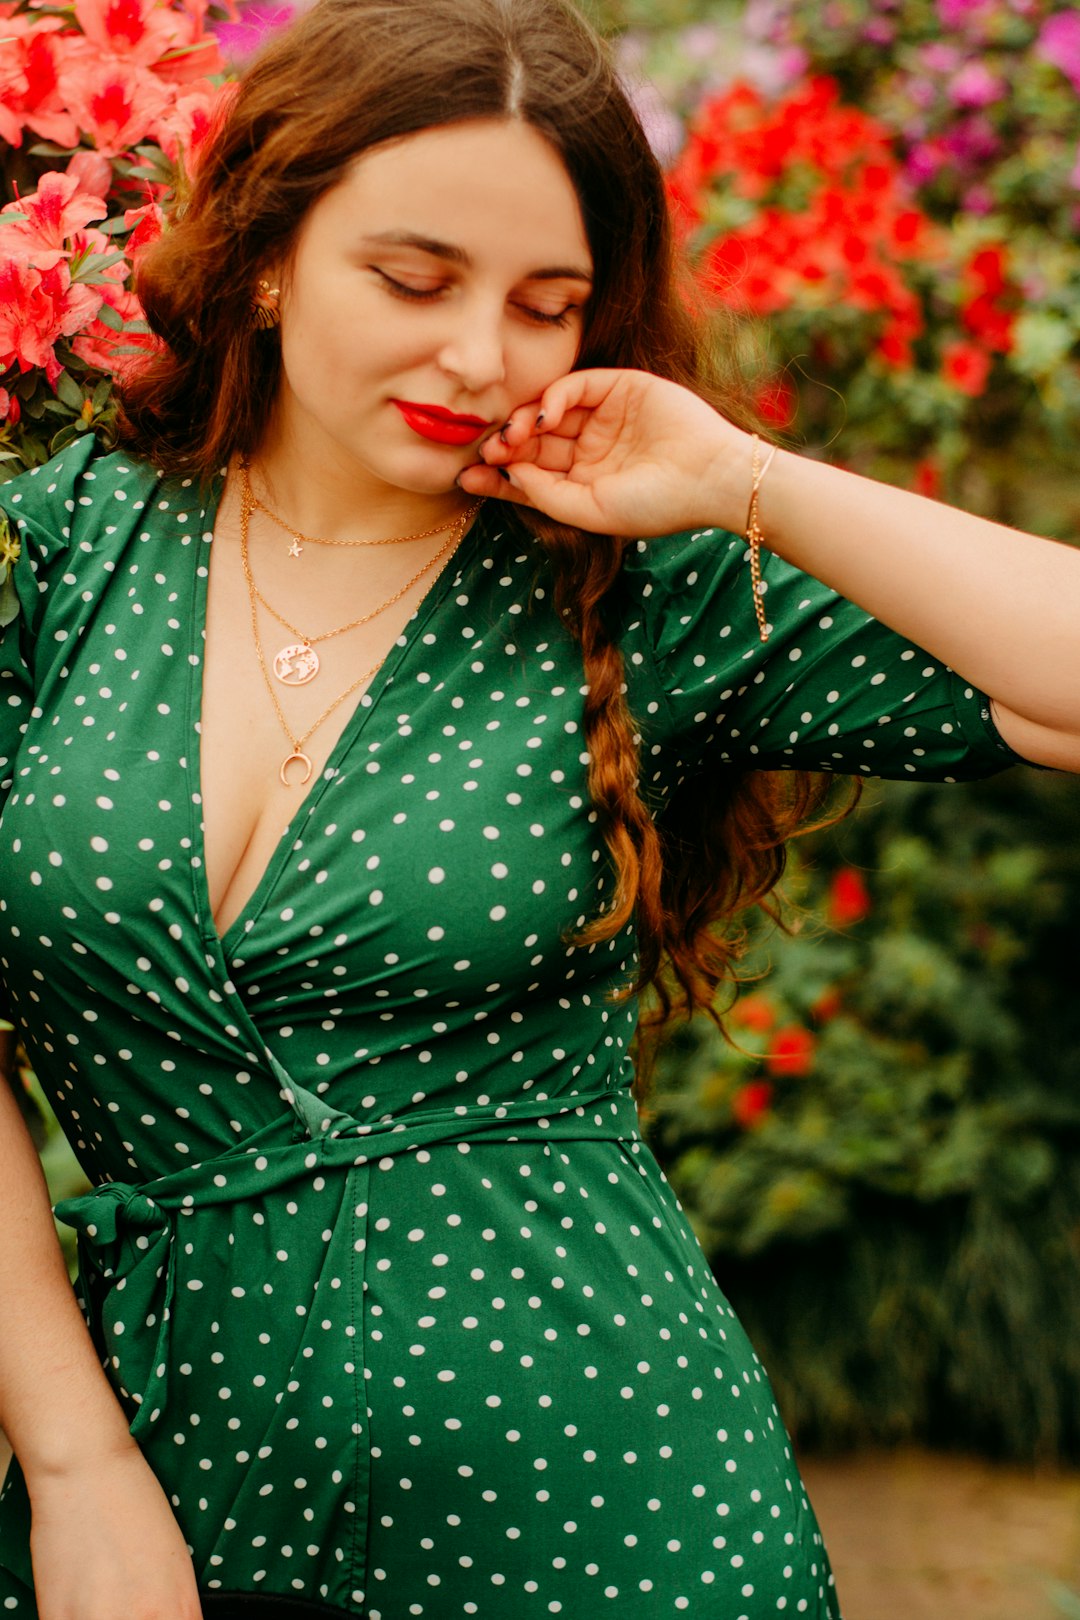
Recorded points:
296,548
250,502
755,535
247,504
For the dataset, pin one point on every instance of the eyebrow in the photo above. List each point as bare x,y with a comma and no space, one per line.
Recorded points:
458,255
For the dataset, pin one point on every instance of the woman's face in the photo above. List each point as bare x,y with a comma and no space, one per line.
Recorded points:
447,271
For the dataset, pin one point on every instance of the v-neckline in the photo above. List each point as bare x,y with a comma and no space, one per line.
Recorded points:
224,944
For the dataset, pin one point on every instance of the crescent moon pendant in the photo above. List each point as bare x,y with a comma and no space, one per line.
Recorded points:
297,754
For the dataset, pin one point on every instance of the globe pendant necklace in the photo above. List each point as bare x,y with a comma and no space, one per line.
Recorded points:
296,660
296,664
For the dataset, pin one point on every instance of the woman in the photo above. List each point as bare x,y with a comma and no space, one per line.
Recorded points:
341,816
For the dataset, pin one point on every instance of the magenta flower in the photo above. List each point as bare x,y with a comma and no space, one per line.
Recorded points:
941,57
243,38
975,86
957,13
1059,43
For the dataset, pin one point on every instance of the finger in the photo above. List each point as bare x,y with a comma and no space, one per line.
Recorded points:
487,482
554,452
584,389
551,492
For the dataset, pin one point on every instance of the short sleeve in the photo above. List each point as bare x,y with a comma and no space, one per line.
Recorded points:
35,524
832,688
17,602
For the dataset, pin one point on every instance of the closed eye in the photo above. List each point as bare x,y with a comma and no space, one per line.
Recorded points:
426,295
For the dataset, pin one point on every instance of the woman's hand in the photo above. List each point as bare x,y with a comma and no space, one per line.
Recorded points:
105,1544
619,452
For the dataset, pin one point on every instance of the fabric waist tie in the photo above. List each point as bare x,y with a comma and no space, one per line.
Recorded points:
127,1231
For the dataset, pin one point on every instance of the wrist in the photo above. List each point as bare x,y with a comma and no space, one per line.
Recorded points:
726,482
51,1469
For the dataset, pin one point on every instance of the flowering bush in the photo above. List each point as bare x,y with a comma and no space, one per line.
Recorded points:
101,110
884,1165
966,336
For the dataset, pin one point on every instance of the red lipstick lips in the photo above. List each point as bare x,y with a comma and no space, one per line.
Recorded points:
439,425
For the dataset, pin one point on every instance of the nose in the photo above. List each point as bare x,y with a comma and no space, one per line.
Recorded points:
473,350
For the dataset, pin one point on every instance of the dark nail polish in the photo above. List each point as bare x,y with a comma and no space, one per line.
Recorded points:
502,472
540,420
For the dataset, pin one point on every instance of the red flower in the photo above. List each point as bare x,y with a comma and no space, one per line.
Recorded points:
987,269
777,402
827,1006
849,898
792,1051
754,1011
966,367
751,1103
926,478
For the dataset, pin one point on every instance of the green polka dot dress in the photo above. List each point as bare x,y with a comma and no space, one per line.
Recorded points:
405,1317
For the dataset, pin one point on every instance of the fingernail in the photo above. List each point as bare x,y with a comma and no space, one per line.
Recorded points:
540,420
502,431
502,472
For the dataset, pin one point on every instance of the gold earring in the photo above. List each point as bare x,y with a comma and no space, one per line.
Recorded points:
265,309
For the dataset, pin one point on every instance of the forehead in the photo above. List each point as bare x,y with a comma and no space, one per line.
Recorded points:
482,184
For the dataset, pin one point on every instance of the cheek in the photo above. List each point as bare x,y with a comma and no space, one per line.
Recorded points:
537,368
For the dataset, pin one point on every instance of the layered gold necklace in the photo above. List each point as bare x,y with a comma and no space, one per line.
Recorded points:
298,663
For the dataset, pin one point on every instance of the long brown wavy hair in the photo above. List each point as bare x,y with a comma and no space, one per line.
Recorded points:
349,75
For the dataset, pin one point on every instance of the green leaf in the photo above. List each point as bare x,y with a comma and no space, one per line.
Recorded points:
65,436
1043,340
110,317
68,391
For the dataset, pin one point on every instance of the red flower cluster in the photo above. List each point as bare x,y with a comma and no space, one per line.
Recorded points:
60,278
129,71
803,203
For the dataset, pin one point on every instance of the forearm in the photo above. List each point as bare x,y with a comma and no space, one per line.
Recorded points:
56,1405
997,605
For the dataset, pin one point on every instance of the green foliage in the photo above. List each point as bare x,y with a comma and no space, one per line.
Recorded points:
885,1168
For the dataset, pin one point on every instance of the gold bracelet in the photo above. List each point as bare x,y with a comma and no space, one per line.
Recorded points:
755,536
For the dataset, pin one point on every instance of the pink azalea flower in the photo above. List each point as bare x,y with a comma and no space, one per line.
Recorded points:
92,170
145,223
114,102
53,213
1059,42
185,122
36,309
29,69
137,30
196,55
115,353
